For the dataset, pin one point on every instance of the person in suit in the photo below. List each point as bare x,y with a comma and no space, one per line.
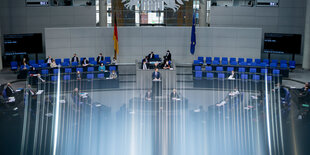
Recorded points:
156,75
151,56
49,60
148,95
167,57
166,65
75,58
85,62
9,90
174,94
100,58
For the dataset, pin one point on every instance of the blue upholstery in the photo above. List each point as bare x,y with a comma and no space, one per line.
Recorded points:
40,62
221,75
197,68
276,72
81,59
31,62
56,71
90,76
197,62
234,63
14,65
104,62
79,69
253,70
54,78
67,77
66,60
198,74
273,65
216,62
210,75
36,66
229,69
241,69
44,65
244,76
200,59
274,61
256,77
263,64
249,60
220,69
292,64
156,56
208,60
283,66
240,60
266,61
66,64
68,70
75,64
93,62
58,61
100,76
90,69
224,62
217,59
264,71
44,72
208,68
283,62
91,59
269,78
243,64
232,60
108,59
258,61
111,68
224,59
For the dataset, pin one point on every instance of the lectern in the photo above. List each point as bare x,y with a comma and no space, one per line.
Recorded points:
157,88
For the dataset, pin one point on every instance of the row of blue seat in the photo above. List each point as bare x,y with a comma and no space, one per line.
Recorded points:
240,69
209,75
88,76
69,70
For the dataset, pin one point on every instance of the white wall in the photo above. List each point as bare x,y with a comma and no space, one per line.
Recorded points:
289,17
135,42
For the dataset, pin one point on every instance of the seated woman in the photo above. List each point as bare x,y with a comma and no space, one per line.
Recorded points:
113,75
78,75
101,68
53,64
85,62
166,65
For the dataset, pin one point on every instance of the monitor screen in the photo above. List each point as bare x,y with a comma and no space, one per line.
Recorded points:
23,43
279,43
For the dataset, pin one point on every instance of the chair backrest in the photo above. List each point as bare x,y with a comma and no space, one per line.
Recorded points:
256,77
90,76
198,74
224,62
100,76
210,75
79,69
292,63
276,71
14,63
58,61
90,69
249,60
104,62
209,60
56,71
31,62
266,61
283,62
108,59
274,61
264,71
66,60
54,78
258,61
224,59
74,64
244,76
217,59
67,77
219,69
243,64
252,70
241,69
233,63
216,62
240,60
200,59
273,65
156,56
283,66
44,71
65,64
93,62
208,68
197,62
44,65
232,60
197,68
263,64
91,59
269,78
221,75
229,69
112,68
68,70
40,62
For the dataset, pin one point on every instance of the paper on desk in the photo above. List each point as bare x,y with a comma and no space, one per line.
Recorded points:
40,92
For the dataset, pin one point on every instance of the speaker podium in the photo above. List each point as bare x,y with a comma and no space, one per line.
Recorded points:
157,88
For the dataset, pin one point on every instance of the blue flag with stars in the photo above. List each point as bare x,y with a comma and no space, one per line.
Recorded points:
193,38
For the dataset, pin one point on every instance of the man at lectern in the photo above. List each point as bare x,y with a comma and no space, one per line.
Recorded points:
174,95
156,75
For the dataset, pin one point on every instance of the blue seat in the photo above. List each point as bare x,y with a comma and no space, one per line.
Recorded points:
232,60
224,59
283,62
221,76
240,60
54,78
81,60
67,77
113,68
264,71
31,62
219,69
292,64
208,60
215,62
263,64
40,62
229,69
156,56
283,66
210,75
44,65
79,69
269,78
258,61
200,59
58,61
253,64
100,76
243,64
65,64
91,59
104,62
273,65
274,61
276,72
208,68
197,68
252,70
93,62
241,69
74,64
266,61
66,60
108,59
224,62
244,76
256,77
234,63
44,72
249,60
217,59
90,76
90,69
56,71
14,65
36,66
68,70
198,74
196,62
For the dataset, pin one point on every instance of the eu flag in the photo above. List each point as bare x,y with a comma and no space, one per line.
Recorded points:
193,38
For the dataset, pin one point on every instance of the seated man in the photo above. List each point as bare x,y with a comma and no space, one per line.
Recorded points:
49,60
151,56
167,57
156,75
174,95
148,95
85,62
75,58
100,58
9,91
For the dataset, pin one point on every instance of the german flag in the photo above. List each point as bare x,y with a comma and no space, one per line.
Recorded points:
115,38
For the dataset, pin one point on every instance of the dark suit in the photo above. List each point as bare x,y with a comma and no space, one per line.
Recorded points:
174,95
85,61
46,60
151,56
147,95
9,91
75,59
168,56
155,76
100,58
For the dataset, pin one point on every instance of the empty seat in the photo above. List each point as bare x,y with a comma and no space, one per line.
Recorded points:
67,77
224,62
40,62
273,65
276,72
283,65
210,75
14,65
232,60
234,63
36,66
215,62
249,60
90,76
44,65
244,76
241,69
91,59
229,69
266,61
74,64
240,60
108,59
221,76
269,78
292,64
219,69
283,62
54,78
224,59
274,61
93,62
156,56
68,70
217,59
208,68
243,64
100,76
198,74
58,61
90,69
113,68
253,70
44,72
56,71
258,61
263,64
196,62
256,77
208,60
31,62
79,69
66,60
264,71
197,68
200,59
253,64
65,64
